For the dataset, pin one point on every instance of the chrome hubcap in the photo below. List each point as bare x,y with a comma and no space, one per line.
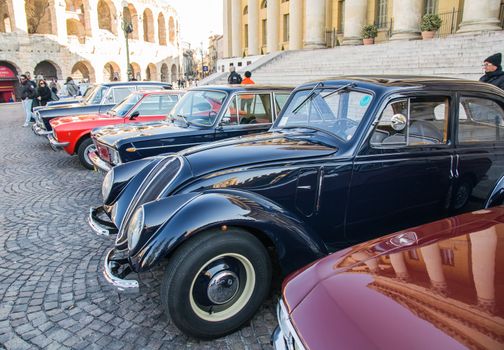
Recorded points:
223,287
89,149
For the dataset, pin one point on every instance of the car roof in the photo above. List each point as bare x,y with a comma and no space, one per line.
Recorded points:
246,87
139,83
160,92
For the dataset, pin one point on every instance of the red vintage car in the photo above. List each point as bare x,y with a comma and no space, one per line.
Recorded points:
435,286
73,133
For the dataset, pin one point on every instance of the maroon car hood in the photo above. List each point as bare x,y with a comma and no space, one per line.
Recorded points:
443,291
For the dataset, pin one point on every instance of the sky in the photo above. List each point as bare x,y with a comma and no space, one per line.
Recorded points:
198,20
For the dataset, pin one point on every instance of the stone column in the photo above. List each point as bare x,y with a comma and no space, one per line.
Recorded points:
480,15
355,19
295,24
399,266
20,23
236,31
432,258
253,27
314,25
227,27
407,15
61,29
483,250
93,19
272,14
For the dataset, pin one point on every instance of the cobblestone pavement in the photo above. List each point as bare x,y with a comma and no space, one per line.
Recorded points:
52,292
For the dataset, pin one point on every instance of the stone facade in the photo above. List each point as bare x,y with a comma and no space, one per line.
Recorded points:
85,39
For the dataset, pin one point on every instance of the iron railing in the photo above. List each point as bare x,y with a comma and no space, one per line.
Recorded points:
450,23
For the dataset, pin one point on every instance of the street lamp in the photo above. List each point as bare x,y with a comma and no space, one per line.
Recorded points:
127,28
201,53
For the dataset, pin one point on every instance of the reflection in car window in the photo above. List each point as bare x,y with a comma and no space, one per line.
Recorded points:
123,107
280,101
480,120
199,107
249,108
121,93
338,112
96,95
156,105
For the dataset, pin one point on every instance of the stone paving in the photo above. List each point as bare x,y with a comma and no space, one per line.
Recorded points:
52,292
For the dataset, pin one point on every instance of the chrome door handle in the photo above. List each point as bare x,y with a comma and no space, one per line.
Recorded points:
457,166
304,187
451,168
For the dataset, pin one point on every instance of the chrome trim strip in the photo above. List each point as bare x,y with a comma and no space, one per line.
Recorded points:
55,145
122,285
169,146
39,131
96,226
292,330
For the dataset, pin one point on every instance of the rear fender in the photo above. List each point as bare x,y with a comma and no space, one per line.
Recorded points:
168,225
497,195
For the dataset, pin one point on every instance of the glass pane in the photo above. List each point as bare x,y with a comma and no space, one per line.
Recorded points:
254,108
480,120
121,93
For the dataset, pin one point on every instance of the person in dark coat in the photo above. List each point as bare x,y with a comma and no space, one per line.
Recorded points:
43,94
493,71
234,78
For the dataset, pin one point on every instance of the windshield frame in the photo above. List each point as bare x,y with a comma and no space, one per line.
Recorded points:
172,115
141,97
320,89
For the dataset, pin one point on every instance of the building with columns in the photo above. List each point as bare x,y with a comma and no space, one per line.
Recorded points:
86,39
258,27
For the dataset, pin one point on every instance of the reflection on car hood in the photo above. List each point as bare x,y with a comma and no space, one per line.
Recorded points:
112,135
79,118
258,148
63,106
442,291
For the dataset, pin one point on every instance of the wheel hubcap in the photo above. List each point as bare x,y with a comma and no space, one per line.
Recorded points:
89,149
223,287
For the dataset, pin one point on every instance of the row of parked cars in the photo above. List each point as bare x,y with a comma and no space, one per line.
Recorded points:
221,185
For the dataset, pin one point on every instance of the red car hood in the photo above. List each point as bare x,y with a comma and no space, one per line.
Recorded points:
80,118
442,291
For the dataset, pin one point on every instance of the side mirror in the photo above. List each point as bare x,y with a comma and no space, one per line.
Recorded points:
398,122
134,115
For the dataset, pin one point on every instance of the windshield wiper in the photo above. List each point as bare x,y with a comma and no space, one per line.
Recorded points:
310,95
341,88
184,118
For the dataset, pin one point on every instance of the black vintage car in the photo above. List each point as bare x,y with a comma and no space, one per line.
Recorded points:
348,159
102,98
204,115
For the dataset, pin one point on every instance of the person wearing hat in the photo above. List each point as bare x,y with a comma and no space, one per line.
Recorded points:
493,71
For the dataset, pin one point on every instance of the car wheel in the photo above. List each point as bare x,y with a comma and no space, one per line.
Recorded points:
215,282
87,146
461,194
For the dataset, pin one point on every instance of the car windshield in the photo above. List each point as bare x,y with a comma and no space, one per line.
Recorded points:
338,111
125,105
198,107
89,91
95,96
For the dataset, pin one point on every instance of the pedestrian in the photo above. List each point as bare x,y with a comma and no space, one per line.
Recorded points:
27,94
71,87
247,79
53,85
43,94
246,100
234,78
32,82
493,71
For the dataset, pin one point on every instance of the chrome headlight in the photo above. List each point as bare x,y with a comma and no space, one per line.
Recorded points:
114,156
291,339
107,185
135,228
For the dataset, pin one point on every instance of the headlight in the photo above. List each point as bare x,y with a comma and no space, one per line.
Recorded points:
291,339
107,185
114,157
135,228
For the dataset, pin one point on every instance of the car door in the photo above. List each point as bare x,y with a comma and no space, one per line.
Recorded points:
402,176
153,107
479,149
246,113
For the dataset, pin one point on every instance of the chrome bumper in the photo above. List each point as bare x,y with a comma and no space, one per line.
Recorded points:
55,145
99,163
39,131
100,227
110,271
278,340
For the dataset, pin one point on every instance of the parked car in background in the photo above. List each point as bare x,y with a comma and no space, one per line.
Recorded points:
73,133
102,98
435,286
204,114
347,160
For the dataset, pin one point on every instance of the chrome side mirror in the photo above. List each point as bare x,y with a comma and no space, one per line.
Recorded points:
398,122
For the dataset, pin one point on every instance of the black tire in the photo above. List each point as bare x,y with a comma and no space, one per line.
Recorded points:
83,150
462,194
181,288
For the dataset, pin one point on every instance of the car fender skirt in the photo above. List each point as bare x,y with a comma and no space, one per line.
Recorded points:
171,221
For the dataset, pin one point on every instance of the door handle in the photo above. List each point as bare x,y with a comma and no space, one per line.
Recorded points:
451,176
457,174
304,187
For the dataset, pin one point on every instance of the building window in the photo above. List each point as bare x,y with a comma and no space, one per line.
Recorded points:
447,257
240,64
413,254
245,29
264,4
286,27
285,0
245,10
341,16
431,6
264,31
381,13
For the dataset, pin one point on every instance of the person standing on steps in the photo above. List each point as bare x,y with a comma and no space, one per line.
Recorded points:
246,100
493,71
234,78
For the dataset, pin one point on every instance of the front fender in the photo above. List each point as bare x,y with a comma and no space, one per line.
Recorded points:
171,225
497,195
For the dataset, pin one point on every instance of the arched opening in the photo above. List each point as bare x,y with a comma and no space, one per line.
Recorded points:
83,71
148,25
130,15
5,25
5,16
135,71
171,28
47,70
107,16
161,29
76,19
39,16
151,72
164,72
174,71
111,72
8,81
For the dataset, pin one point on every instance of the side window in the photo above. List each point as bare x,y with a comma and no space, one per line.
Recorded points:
480,119
413,122
231,117
254,108
280,101
120,93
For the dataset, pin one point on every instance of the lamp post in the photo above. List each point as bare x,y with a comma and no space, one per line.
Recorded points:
201,53
127,28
